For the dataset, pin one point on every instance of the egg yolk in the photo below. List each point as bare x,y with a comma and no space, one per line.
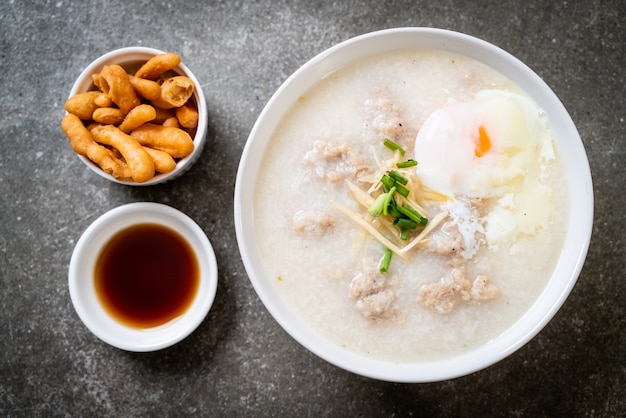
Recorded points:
482,144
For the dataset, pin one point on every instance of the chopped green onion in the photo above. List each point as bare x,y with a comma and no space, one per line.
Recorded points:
376,208
404,223
398,177
388,199
387,181
393,146
404,234
392,210
385,261
412,214
411,211
406,164
382,202
402,190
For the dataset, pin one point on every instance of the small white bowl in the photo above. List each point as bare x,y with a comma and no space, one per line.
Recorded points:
134,55
82,287
572,255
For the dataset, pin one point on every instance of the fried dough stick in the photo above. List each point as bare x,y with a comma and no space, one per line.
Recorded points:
163,162
158,65
116,84
139,161
83,143
175,91
174,141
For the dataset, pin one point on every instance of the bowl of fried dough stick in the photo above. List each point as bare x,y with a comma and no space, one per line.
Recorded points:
136,116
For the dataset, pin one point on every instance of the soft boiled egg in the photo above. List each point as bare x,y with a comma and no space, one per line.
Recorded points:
492,147
480,148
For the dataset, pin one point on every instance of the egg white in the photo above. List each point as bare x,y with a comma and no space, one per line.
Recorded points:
509,171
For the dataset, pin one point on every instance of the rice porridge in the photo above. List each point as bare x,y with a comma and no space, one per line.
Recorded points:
431,159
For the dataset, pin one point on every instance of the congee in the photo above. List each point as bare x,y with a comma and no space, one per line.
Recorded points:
411,205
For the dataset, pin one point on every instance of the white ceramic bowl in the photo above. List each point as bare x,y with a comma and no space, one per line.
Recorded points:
580,191
133,55
81,277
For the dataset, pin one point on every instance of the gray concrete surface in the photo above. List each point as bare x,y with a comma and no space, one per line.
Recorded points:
239,362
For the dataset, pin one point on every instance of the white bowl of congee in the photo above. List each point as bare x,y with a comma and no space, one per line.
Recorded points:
413,205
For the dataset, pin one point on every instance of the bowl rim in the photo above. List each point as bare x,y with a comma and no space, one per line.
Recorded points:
81,282
84,80
572,255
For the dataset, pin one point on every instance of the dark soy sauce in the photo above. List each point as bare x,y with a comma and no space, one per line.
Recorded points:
146,275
